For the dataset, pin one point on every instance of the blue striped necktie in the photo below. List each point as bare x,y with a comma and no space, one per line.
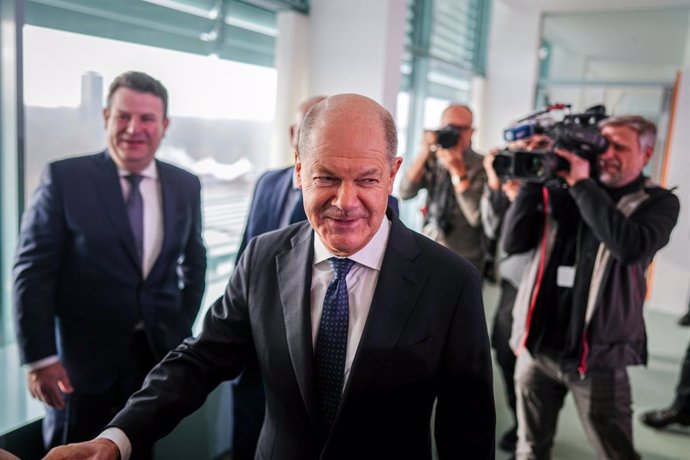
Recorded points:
331,342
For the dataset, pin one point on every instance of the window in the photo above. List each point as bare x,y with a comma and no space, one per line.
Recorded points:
220,112
216,59
221,105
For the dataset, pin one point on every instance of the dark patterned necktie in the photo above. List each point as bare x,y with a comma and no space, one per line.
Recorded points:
135,210
331,343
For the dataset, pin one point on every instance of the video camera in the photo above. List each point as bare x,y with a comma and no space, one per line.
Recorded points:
575,132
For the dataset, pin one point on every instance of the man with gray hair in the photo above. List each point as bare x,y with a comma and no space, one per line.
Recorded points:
453,176
578,320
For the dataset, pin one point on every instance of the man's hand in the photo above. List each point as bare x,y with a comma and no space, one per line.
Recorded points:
428,144
579,167
511,188
4,455
452,159
493,181
96,449
49,384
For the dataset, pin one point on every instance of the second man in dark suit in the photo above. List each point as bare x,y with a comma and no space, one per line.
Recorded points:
110,267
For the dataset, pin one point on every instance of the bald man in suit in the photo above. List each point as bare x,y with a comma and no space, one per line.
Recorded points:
352,361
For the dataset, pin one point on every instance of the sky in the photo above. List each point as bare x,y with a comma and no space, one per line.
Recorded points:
200,86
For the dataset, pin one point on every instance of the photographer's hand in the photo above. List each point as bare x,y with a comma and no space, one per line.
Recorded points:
453,161
579,167
493,181
427,146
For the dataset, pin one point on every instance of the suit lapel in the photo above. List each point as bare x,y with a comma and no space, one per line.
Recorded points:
294,290
395,296
107,182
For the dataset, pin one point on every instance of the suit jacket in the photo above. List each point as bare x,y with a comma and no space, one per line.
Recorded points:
425,339
269,200
79,290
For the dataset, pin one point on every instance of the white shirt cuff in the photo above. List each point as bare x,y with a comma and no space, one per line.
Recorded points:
120,439
41,363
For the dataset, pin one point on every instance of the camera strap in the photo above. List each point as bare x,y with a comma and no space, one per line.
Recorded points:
542,265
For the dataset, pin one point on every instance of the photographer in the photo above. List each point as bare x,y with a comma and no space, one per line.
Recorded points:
454,179
499,194
578,318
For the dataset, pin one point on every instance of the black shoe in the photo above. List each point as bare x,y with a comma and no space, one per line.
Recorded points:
663,417
508,441
684,320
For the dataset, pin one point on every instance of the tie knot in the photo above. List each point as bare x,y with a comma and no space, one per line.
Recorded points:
340,267
134,179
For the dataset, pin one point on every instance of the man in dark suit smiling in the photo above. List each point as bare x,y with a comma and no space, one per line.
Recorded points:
359,324
110,267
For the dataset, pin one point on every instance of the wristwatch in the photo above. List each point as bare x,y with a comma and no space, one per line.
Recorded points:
455,179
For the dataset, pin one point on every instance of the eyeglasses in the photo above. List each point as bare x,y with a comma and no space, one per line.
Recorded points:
461,128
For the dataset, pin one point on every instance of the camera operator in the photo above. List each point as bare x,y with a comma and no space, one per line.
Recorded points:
577,318
454,179
499,194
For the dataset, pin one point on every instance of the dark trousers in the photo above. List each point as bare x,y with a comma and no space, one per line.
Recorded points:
682,401
87,414
602,399
249,405
500,341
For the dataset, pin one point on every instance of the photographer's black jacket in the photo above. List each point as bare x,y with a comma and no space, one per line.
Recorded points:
609,236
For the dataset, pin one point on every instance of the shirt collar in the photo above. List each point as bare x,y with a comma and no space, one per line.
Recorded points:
151,171
370,255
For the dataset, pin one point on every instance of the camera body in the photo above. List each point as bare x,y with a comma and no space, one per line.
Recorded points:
575,132
532,166
448,136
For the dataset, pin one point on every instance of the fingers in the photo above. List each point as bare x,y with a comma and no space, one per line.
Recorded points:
49,384
65,385
565,154
579,167
96,449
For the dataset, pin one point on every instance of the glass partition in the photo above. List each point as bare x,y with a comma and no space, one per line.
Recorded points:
626,60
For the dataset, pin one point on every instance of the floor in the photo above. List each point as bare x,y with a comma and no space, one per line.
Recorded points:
652,386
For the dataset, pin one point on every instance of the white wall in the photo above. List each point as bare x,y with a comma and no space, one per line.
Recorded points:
292,85
670,287
356,46
343,46
512,68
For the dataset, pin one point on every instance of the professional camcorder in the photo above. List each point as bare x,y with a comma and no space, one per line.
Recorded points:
575,132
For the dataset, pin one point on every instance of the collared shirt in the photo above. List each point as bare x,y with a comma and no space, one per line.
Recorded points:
150,188
361,284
